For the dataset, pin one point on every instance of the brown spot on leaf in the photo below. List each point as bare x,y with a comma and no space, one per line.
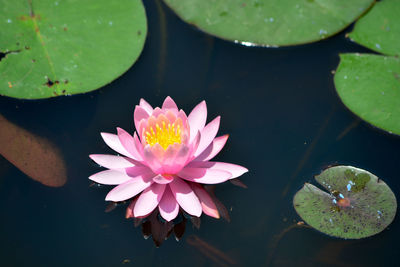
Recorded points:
396,76
50,83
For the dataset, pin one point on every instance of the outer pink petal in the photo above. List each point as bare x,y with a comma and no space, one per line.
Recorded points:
111,161
213,149
168,206
197,119
110,177
148,199
169,103
235,170
204,175
128,142
206,201
146,106
185,197
207,135
139,115
113,142
127,190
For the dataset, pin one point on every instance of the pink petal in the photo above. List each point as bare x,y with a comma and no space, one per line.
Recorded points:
204,175
193,147
197,119
179,160
156,112
111,161
163,179
146,106
185,197
206,201
138,144
168,206
170,104
152,158
128,143
110,177
235,170
169,156
127,190
207,135
175,158
213,149
139,115
148,200
186,128
113,142
136,171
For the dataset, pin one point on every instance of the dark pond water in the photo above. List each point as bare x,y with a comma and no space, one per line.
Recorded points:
285,122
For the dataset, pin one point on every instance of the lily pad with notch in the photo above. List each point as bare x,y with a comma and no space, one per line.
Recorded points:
357,204
368,84
50,47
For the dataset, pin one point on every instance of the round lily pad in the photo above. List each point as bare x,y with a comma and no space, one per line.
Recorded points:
356,204
369,85
379,29
270,22
53,47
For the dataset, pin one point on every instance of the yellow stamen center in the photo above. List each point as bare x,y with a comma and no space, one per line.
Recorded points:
165,135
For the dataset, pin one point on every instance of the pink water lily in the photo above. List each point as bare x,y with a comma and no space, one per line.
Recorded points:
165,162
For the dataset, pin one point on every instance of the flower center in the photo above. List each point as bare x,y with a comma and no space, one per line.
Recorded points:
165,135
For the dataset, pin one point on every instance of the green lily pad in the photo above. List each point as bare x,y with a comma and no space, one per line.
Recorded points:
369,85
53,47
356,205
270,22
379,29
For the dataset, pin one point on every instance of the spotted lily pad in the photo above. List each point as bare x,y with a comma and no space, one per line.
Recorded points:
270,22
356,203
369,85
62,47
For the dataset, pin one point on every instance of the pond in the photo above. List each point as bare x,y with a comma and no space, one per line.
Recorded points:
285,124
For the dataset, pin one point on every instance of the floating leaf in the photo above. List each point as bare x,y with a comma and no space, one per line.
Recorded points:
270,22
379,29
33,155
357,203
369,85
51,47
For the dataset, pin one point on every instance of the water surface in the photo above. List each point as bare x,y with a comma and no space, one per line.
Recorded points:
285,122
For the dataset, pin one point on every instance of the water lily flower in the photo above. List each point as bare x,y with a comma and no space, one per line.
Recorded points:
166,162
